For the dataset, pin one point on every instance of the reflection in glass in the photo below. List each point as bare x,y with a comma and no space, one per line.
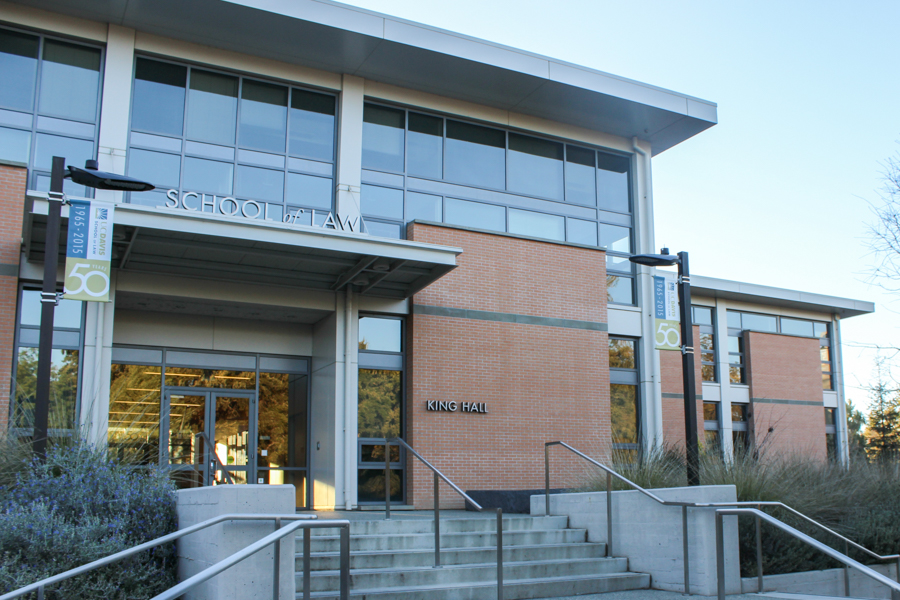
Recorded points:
380,201
796,327
382,335
735,374
734,319
526,222
621,354
383,130
212,107
701,315
70,81
820,330
475,155
232,426
623,404
423,206
296,478
18,69
208,378
259,184
582,232
711,438
379,403
535,166
187,420
612,182
163,170
766,323
426,141
263,123
581,181
75,151
738,413
615,238
158,104
619,263
371,485
66,315
375,453
15,144
711,411
63,388
385,230
282,421
831,446
211,176
474,214
619,289
315,192
134,414
740,440
312,125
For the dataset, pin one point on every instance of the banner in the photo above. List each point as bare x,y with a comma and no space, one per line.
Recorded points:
89,250
668,321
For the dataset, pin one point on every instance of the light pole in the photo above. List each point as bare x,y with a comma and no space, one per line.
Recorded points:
89,177
664,259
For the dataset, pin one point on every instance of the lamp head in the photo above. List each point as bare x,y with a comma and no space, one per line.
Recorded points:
655,260
89,176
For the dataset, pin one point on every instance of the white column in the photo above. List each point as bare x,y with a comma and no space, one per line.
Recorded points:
95,369
350,399
840,420
723,374
116,105
349,164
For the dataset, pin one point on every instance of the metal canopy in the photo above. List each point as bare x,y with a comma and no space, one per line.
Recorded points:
204,246
342,39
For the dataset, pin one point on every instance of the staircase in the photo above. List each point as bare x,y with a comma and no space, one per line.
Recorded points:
394,560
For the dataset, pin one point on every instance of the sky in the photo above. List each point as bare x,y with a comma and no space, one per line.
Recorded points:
780,191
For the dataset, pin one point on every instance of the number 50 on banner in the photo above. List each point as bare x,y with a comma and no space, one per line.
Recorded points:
88,250
665,305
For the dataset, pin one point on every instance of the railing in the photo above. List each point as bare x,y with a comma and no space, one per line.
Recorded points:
761,516
304,521
437,510
610,473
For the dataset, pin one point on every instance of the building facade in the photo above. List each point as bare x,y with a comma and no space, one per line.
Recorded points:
365,228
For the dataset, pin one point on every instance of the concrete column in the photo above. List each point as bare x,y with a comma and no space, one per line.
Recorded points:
93,418
723,374
326,466
350,398
840,421
349,161
116,105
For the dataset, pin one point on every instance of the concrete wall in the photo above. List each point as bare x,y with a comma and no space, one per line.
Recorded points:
650,534
829,582
253,577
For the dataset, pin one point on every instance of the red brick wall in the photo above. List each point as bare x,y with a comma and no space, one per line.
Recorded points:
12,204
540,383
672,384
784,368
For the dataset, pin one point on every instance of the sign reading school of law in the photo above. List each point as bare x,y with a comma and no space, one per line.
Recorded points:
665,306
89,250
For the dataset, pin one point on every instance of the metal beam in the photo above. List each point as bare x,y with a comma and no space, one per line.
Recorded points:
362,265
383,275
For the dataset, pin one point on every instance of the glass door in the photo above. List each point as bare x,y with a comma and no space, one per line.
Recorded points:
187,450
230,434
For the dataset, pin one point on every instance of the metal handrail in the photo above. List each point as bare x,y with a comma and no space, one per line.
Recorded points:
610,473
211,449
761,516
39,586
437,511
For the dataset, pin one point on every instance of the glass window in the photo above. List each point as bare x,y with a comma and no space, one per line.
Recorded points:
426,143
159,90
535,167
312,125
475,155
209,176
796,327
63,388
612,182
134,414
259,184
829,416
386,230
15,144
212,108
307,190
526,222
423,206
619,289
702,315
474,214
765,323
380,397
581,180
622,354
263,120
615,238
734,319
383,335
70,81
619,263
18,69
738,413
623,405
582,232
163,170
711,411
381,202
74,150
382,148
820,329
67,314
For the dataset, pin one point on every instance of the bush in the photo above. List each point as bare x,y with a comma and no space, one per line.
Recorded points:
861,503
76,507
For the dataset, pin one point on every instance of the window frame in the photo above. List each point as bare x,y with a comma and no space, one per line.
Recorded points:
631,377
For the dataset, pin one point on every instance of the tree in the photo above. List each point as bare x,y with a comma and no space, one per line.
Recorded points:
886,231
856,420
883,426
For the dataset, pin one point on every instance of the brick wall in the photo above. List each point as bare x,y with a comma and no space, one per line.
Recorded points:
539,382
672,384
12,204
787,413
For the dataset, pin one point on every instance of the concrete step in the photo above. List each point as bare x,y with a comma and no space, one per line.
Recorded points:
514,589
417,541
425,558
399,525
457,575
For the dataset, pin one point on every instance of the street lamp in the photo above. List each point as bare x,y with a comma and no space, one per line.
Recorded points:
89,177
664,259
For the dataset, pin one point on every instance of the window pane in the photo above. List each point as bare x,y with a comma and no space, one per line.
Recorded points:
581,176
209,176
760,322
263,116
63,388
619,263
134,414
795,327
159,97
619,289
381,202
820,329
259,184
829,416
212,107
15,144
309,191
612,182
708,372
379,403
386,230
736,374
535,166
583,232
624,413
426,141
162,170
734,320
825,354
282,420
734,343
615,238
826,381
526,222
711,436
706,342
312,125
75,151
475,155
738,413
383,130
383,335
474,214
621,354
711,411
702,315
371,485
18,69
423,206
67,313
70,80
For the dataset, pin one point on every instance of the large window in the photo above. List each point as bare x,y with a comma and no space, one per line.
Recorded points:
831,445
702,316
740,427
624,404
49,103
268,146
711,427
489,178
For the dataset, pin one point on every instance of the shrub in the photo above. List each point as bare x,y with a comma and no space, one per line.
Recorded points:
76,507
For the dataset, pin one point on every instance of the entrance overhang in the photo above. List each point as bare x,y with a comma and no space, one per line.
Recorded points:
205,246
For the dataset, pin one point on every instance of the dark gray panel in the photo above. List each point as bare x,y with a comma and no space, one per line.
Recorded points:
291,365
209,360
136,356
393,362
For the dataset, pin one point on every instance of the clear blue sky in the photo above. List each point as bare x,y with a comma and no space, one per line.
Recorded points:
778,192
